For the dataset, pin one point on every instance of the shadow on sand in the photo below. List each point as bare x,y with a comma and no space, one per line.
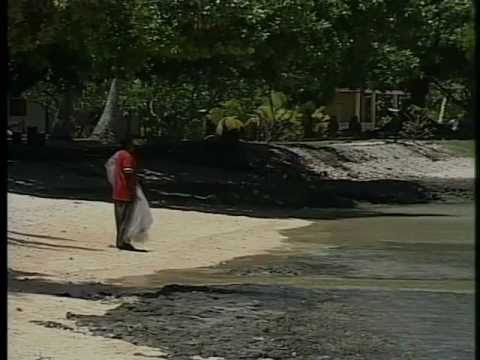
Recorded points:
275,185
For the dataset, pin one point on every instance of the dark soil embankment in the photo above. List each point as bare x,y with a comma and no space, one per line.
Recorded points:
214,175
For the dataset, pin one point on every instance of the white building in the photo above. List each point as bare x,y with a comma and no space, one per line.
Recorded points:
348,103
23,113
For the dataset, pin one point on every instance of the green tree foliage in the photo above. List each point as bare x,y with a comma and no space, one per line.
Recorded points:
229,118
321,121
177,59
417,123
439,44
275,120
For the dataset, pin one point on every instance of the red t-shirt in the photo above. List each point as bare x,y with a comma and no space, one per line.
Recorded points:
125,163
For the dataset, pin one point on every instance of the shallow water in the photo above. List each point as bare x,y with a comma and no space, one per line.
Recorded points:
428,245
399,279
423,247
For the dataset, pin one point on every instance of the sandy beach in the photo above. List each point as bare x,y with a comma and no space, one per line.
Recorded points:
71,241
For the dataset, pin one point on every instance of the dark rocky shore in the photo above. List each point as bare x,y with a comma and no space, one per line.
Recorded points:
277,322
203,175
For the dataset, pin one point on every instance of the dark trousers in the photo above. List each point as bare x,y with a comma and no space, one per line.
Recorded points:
123,214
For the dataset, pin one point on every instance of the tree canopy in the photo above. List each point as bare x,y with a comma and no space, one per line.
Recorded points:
216,50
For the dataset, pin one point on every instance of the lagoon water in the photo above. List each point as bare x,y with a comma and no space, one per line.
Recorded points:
404,274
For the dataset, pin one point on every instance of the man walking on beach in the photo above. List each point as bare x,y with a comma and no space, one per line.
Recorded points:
124,182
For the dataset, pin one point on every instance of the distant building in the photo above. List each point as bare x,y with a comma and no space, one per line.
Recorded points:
348,103
23,113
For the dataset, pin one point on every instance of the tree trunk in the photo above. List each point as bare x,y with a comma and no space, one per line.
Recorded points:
62,123
419,89
271,126
442,110
307,126
110,128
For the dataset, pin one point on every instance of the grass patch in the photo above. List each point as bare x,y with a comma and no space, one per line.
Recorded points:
464,148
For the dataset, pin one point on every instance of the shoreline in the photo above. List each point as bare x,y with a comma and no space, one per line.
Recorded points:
42,251
61,231
86,244
224,237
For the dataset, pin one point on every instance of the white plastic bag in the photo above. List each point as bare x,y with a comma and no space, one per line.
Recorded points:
110,167
142,218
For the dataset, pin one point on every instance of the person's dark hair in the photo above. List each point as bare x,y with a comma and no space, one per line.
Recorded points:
126,143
